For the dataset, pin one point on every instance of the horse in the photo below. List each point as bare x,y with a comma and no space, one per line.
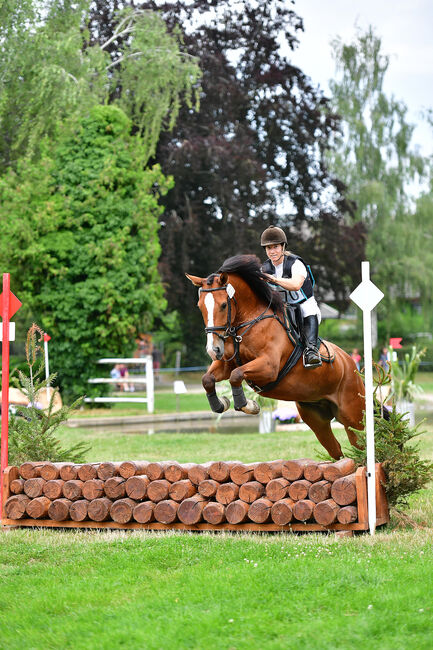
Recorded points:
248,340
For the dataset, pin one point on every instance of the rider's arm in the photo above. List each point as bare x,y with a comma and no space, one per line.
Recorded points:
291,284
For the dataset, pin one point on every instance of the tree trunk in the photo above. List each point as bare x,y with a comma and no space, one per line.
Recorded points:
144,512
166,511
38,508
325,512
343,490
59,509
260,511
121,511
208,488
181,490
73,490
158,490
88,471
54,489
214,513
266,472
227,493
319,491
51,471
17,486
93,489
313,472
303,510
277,489
251,491
293,470
347,515
69,472
136,487
190,510
176,472
114,487
30,470
78,510
220,471
99,509
199,473
241,473
131,468
108,470
15,506
282,511
33,487
338,469
237,512
299,489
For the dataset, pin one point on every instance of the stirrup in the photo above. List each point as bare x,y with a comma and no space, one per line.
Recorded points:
312,363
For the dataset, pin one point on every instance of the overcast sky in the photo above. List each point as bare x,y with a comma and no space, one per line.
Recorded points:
406,31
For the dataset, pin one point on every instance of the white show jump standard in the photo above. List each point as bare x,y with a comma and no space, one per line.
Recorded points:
148,381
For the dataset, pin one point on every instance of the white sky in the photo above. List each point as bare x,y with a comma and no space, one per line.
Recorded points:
406,31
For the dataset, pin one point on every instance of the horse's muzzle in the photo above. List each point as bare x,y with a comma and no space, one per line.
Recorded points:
216,352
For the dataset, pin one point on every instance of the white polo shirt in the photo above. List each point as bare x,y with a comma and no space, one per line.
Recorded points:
309,307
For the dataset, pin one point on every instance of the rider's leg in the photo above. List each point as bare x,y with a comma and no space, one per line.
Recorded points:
311,332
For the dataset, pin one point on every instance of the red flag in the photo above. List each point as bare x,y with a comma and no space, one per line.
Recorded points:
395,343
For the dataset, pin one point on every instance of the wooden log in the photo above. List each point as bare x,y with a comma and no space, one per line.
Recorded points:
99,509
17,486
136,487
69,472
88,471
199,473
214,513
251,491
38,508
15,507
33,487
347,514
208,488
176,472
282,511
241,473
73,490
227,493
340,468
293,470
325,512
108,470
237,512
30,470
277,489
298,490
314,471
190,510
260,511
155,471
303,510
53,489
143,512
59,509
121,511
220,470
319,491
158,490
93,489
78,510
166,511
181,490
131,468
114,487
266,472
343,490
51,471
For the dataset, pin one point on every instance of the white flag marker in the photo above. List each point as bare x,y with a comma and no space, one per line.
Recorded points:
367,296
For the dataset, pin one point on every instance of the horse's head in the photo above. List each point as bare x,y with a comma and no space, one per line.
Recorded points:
217,305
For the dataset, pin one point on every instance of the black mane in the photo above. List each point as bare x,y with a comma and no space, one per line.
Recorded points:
248,268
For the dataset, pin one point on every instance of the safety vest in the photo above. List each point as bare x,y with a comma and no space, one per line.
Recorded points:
306,291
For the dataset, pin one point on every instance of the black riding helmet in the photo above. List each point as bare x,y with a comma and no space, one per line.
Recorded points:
272,236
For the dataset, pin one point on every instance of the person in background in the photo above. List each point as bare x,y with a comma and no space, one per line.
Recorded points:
357,358
115,374
124,375
384,360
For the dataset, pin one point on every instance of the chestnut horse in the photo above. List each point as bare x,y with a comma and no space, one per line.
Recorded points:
247,340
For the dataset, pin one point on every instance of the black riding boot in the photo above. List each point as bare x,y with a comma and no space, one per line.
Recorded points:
311,353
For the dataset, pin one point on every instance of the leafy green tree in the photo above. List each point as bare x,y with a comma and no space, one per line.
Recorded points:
79,231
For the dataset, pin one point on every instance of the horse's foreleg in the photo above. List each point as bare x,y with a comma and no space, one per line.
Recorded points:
254,371
217,371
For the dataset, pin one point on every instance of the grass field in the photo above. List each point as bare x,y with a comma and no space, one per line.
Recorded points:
103,590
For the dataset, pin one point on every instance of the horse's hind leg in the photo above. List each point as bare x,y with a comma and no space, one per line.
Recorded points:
318,419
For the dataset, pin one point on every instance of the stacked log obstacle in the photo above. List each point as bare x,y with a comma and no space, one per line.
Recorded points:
296,495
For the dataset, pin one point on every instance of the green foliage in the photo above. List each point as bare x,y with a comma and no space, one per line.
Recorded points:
79,236
403,376
32,429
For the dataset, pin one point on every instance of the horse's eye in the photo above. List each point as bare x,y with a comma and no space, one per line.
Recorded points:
224,305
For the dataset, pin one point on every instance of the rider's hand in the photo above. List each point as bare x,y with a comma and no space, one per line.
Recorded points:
270,278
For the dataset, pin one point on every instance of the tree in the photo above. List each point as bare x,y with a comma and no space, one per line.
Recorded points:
79,230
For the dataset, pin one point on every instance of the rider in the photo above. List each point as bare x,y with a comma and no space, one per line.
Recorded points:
289,272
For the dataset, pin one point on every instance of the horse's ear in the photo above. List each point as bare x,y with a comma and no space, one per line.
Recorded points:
197,282
223,279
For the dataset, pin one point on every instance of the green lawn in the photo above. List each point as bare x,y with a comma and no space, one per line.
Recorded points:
165,402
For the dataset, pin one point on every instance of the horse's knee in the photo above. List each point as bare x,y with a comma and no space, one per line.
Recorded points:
208,382
236,377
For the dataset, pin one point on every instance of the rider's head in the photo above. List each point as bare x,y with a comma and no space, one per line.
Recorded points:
274,240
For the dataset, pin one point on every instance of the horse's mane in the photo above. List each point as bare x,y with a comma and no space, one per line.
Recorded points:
248,268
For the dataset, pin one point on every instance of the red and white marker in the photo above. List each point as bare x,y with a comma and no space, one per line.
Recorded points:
47,338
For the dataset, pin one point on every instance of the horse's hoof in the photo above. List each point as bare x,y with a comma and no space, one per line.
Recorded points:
251,407
226,402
